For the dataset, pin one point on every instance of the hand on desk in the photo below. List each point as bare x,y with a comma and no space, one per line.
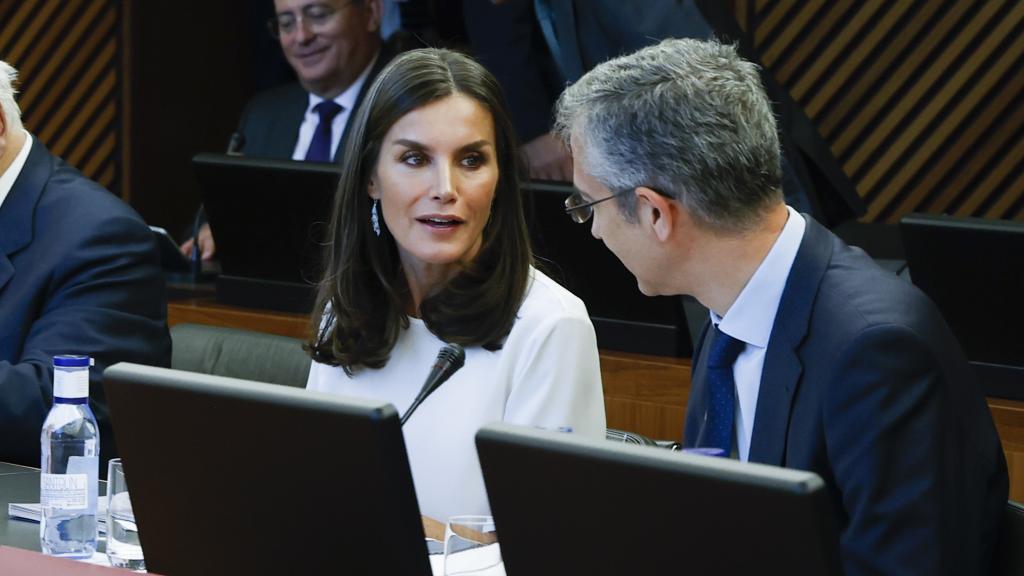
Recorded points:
207,247
547,158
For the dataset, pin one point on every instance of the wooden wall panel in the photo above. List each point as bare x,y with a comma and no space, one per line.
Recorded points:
69,55
922,101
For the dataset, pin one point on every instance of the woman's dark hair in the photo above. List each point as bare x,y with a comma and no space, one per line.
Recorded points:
363,295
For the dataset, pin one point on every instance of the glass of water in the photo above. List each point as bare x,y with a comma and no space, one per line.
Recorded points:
123,547
471,547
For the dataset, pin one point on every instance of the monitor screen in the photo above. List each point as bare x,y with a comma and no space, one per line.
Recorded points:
269,219
229,476
972,269
569,505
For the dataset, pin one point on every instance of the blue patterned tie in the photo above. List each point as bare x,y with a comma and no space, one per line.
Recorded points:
320,146
721,391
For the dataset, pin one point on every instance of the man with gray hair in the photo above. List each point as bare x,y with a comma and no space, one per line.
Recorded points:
814,358
79,274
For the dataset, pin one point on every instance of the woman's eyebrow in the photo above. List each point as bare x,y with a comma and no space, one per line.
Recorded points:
410,144
478,145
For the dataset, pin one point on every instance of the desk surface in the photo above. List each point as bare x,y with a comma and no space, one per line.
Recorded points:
21,484
19,539
18,484
6,468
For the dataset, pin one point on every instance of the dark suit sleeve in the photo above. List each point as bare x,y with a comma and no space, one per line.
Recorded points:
104,298
245,130
888,436
507,40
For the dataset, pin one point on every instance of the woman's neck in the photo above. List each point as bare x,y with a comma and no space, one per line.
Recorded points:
423,280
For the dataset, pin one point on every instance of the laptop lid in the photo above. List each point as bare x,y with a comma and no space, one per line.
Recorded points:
569,505
971,268
269,217
230,476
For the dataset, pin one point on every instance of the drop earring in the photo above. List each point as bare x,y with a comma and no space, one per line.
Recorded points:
374,218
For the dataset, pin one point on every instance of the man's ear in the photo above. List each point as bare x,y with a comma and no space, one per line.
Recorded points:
5,140
656,211
376,8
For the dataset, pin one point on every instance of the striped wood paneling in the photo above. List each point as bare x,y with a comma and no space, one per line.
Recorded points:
922,101
68,54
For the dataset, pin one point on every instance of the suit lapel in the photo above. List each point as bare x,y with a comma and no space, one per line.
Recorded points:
284,127
6,271
696,404
16,213
780,376
387,52
558,22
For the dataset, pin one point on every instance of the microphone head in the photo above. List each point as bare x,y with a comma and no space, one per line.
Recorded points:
236,143
452,354
448,362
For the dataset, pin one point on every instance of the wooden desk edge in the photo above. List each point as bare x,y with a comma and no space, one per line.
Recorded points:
643,394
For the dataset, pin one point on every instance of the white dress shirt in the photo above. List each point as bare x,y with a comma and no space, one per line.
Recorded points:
347,101
751,318
10,175
547,374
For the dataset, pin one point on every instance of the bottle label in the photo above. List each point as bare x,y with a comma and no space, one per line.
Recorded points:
71,383
64,491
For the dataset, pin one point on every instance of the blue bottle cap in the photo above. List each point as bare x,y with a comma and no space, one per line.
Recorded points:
705,451
72,361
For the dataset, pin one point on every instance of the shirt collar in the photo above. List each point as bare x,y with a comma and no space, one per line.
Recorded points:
752,315
8,178
347,99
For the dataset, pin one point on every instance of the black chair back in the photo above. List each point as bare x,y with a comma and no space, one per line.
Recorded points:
1009,552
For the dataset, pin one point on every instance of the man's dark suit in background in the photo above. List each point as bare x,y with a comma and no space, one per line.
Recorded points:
864,384
517,38
79,274
269,125
329,44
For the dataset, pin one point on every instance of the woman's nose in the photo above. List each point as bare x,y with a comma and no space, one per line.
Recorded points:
444,189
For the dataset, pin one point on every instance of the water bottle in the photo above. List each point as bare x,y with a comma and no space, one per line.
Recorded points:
70,464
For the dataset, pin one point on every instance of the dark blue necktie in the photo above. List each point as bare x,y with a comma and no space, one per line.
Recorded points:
320,146
721,391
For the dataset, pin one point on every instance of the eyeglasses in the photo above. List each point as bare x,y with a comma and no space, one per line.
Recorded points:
317,16
581,211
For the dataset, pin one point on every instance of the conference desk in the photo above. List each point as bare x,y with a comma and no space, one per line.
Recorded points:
642,394
18,484
19,540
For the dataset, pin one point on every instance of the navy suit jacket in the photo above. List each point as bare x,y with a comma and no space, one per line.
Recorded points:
79,274
514,40
864,384
270,122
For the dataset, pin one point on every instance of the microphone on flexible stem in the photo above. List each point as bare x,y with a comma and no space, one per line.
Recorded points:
449,359
234,149
197,265
235,144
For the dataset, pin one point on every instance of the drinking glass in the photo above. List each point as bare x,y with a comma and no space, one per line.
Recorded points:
123,547
471,547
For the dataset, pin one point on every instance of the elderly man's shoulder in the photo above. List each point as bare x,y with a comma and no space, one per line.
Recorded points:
72,205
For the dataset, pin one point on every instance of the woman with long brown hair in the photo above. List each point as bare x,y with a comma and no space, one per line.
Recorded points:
428,245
